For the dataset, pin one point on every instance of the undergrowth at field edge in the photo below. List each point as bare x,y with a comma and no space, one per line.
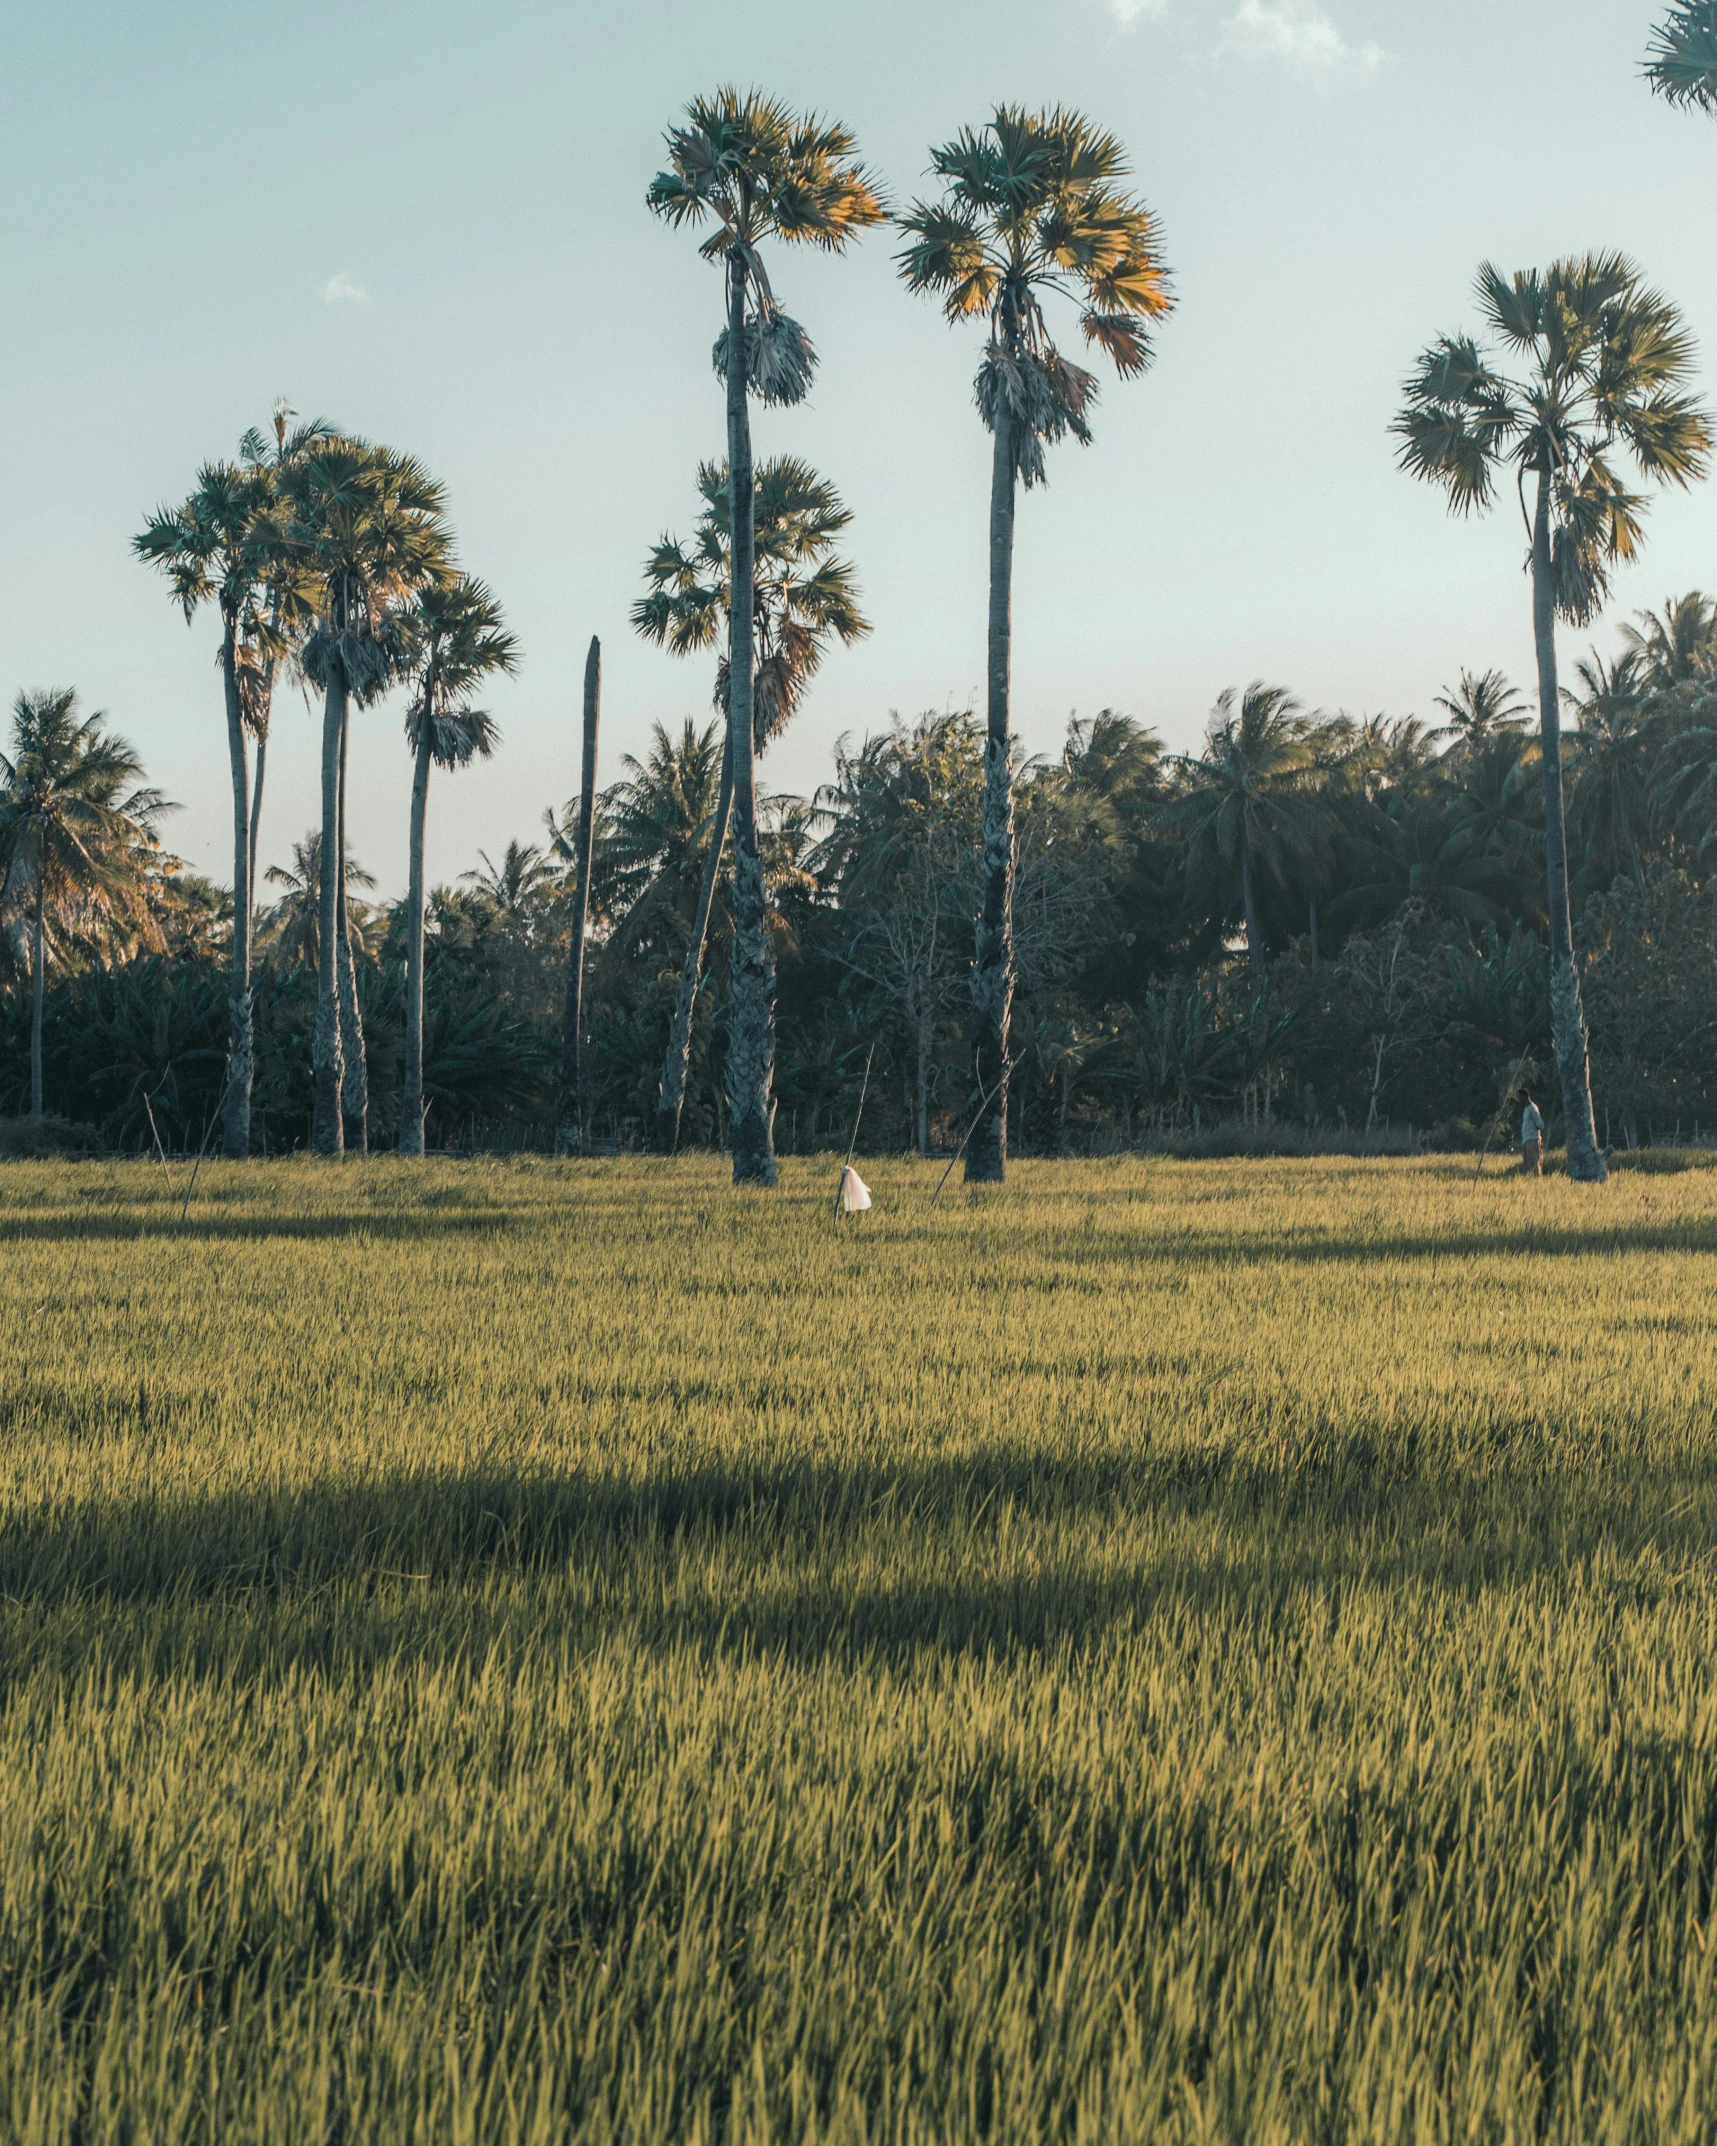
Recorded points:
1211,1652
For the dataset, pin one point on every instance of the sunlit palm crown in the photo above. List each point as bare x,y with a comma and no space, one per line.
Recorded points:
1033,204
369,525
1254,776
1607,363
757,170
1683,61
805,593
457,640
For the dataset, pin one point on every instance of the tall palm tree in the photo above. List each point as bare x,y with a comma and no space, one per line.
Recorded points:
219,546
458,642
1033,206
1676,646
757,171
1248,804
367,525
803,595
1682,63
1606,362
74,816
1483,704
288,439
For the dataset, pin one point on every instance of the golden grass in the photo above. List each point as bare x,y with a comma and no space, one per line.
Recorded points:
518,1652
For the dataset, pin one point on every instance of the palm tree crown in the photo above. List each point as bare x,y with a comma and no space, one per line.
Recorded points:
1682,63
803,593
1481,706
759,171
1033,204
1607,361
74,812
458,641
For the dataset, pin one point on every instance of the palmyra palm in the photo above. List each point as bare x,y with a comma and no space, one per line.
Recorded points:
459,643
1032,207
1682,65
756,171
1606,363
803,597
366,528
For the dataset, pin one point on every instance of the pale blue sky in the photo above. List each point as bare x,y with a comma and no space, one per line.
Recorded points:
192,186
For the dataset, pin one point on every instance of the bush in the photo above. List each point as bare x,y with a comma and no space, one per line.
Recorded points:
27,1139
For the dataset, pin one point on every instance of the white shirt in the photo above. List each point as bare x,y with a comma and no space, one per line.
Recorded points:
1531,1125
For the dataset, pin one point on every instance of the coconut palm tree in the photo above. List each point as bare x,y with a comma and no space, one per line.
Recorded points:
756,171
1483,704
1606,362
74,816
1675,647
292,927
1609,790
458,643
1682,63
366,525
219,546
803,596
1248,804
1033,206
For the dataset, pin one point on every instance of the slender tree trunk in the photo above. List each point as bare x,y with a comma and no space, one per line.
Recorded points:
38,987
327,1132
256,809
1248,895
1567,1016
355,1076
676,1066
1314,931
992,966
241,1047
411,1101
569,1129
922,1099
751,1038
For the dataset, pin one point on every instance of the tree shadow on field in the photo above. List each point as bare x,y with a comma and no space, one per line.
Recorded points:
817,1562
1269,1248
411,1225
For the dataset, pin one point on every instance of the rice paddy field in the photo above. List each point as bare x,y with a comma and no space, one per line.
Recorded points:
519,1652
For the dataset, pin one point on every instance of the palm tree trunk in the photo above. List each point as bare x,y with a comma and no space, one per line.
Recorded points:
241,1051
355,1080
569,1129
676,1066
1567,1016
1249,899
411,1102
38,986
256,808
992,966
751,1038
327,1133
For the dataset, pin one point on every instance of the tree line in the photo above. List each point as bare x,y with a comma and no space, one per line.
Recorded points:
954,904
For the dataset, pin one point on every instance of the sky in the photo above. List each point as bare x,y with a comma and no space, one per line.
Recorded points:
426,222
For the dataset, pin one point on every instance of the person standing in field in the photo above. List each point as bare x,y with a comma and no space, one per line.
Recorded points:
1532,1140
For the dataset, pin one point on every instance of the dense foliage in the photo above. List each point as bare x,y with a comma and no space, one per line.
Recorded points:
1390,970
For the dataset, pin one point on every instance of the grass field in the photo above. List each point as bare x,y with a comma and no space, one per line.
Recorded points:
1210,1653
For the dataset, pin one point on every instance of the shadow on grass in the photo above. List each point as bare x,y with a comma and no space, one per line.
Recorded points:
411,1225
845,1563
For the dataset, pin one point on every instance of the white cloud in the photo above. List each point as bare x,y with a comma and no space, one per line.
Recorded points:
340,288
1127,12
1302,37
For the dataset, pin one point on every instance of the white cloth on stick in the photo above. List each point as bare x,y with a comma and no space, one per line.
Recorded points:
855,1193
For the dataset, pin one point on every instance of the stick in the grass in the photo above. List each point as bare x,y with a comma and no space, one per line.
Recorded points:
852,1144
1501,1113
160,1151
983,1105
